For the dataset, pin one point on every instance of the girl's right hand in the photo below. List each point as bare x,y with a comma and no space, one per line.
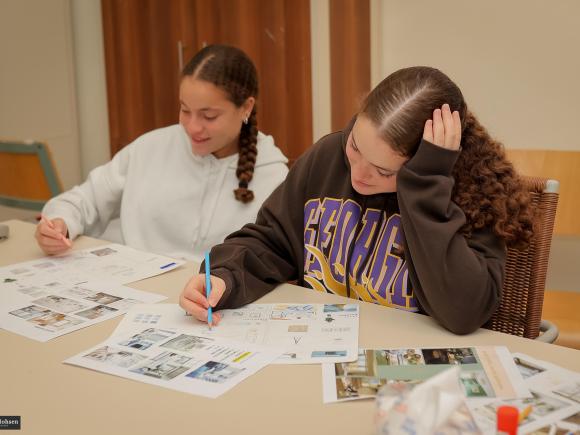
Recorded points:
444,129
194,302
51,236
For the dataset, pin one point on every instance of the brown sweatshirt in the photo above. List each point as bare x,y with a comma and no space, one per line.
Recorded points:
407,253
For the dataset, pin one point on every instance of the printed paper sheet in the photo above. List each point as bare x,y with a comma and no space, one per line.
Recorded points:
44,312
309,333
555,401
486,372
177,359
45,298
113,263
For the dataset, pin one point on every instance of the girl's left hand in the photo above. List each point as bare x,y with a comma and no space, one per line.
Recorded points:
444,129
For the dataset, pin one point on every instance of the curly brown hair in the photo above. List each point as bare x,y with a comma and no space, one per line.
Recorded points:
487,187
230,69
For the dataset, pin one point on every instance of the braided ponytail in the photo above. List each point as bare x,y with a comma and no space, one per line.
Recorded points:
247,158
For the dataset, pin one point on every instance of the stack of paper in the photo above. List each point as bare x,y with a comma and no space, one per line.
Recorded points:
52,296
159,344
554,404
486,372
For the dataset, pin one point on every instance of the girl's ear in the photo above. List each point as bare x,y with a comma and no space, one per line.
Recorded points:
248,105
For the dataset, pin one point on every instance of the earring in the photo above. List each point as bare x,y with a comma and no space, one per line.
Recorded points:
246,120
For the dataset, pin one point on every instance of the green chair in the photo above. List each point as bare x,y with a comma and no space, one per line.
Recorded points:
28,178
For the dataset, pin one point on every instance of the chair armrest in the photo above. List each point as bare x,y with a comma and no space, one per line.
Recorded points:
548,332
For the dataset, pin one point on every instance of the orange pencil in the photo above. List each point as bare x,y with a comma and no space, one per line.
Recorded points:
524,413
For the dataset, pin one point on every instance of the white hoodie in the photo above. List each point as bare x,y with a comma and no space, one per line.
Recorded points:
169,200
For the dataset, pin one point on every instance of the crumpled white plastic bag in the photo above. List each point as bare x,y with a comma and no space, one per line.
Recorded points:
436,406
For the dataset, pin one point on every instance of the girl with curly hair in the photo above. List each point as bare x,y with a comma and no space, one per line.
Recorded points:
180,189
411,206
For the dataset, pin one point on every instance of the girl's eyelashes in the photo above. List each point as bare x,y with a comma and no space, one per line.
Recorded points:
186,111
385,174
354,147
381,172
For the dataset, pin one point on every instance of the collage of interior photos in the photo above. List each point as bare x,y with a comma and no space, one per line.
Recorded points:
374,368
204,365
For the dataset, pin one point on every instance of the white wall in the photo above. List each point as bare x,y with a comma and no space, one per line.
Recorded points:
517,62
37,83
91,85
52,81
320,63
53,84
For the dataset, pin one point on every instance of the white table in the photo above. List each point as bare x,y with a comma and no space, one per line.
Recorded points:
54,398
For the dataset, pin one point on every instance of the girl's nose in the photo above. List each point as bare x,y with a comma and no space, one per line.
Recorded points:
193,127
364,171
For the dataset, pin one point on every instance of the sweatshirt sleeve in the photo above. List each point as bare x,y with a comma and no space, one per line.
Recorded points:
88,208
255,259
457,280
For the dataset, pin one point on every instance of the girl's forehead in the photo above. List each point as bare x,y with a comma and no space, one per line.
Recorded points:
200,93
373,148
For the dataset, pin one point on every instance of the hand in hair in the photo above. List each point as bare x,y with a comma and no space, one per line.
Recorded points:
444,129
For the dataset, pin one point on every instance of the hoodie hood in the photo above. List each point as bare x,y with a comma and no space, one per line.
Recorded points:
268,152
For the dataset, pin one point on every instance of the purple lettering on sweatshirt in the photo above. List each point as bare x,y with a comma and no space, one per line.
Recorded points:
329,215
342,238
329,226
385,265
362,248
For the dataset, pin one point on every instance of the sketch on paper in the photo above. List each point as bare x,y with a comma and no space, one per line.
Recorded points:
298,330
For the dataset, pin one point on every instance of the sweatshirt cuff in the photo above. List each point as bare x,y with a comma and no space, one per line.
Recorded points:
431,159
73,228
226,275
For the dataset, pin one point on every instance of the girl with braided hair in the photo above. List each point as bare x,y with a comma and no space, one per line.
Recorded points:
180,189
411,206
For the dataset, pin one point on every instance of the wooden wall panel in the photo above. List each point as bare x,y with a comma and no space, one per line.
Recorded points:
350,58
562,166
141,66
141,39
298,83
165,71
276,35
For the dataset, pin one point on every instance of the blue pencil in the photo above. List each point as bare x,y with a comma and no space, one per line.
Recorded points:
207,287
